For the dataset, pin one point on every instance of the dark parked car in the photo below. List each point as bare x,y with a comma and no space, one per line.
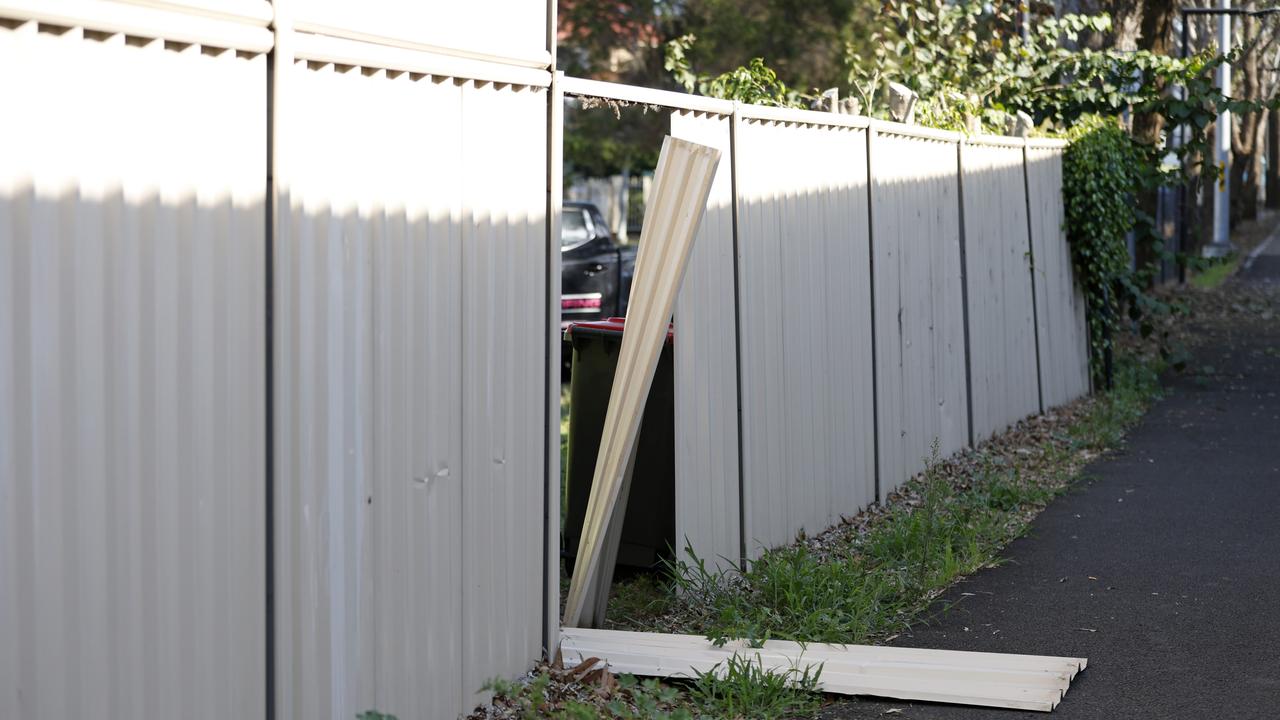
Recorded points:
595,278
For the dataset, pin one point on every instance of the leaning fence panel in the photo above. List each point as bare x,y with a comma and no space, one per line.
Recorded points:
132,434
808,450
1002,344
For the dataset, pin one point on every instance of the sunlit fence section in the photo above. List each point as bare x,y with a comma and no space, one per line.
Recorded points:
1004,386
411,257
132,367
882,280
808,441
921,394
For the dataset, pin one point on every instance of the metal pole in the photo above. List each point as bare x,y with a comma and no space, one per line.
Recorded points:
1221,244
1184,134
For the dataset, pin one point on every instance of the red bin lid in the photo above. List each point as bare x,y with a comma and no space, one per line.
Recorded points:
610,326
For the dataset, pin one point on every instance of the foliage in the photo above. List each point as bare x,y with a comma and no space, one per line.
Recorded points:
1137,384
755,83
876,575
374,715
740,688
969,57
610,140
1100,178
968,60
801,39
624,699
879,582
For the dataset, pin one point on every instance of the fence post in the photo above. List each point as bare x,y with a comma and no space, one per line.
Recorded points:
279,67
735,121
551,495
1031,256
964,292
871,284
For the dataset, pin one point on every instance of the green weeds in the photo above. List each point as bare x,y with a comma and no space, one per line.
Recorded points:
856,586
1103,427
1216,273
852,584
745,689
872,584
561,695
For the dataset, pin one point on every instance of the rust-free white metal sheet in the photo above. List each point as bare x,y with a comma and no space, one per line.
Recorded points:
919,323
410,379
1060,304
706,368
132,376
1026,682
805,310
1002,344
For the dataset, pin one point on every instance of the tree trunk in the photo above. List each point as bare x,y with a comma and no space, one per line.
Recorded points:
1273,160
1156,36
1256,169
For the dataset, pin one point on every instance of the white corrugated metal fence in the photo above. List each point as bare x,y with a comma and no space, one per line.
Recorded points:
132,381
279,344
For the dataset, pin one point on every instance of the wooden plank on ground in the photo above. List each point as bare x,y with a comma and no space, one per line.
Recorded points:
1025,682
681,184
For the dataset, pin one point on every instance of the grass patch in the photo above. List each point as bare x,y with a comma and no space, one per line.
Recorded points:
859,582
875,576
870,584
1112,414
740,688
745,689
1216,274
584,694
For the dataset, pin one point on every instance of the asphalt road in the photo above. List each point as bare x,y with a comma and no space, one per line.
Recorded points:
1163,569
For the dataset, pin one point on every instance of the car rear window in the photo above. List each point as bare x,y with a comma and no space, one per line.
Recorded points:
574,228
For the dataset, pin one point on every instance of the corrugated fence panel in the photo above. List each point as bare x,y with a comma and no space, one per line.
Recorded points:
1063,336
132,377
706,373
410,382
808,450
1002,344
324,409
503,355
919,324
